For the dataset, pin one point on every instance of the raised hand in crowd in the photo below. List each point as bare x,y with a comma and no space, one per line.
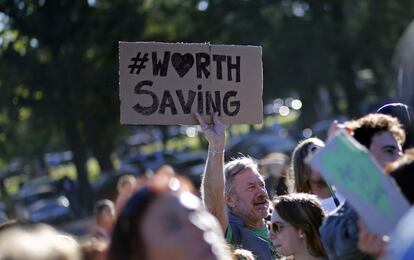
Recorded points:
214,133
235,194
370,242
212,187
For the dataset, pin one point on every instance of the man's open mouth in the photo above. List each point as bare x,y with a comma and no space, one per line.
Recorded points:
264,203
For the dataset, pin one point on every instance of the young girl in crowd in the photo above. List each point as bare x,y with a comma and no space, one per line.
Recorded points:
309,181
295,223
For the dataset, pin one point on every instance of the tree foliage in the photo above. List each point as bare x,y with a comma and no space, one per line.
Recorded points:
59,60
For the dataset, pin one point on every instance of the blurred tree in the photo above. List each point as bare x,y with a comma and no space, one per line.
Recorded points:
64,54
342,48
404,66
59,58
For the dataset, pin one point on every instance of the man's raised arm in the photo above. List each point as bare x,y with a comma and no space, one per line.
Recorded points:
212,185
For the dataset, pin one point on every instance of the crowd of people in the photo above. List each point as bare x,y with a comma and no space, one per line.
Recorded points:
278,207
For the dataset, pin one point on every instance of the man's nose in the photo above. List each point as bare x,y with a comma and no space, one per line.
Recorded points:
263,191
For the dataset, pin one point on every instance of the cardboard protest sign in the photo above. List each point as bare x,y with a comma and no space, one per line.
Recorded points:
348,165
165,83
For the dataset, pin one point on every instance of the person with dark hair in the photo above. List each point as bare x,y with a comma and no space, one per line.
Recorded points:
296,219
236,195
310,181
383,137
405,115
163,220
403,173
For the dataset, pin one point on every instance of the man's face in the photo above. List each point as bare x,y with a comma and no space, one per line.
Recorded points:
250,196
385,148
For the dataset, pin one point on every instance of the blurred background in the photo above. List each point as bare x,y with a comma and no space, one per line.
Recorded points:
61,143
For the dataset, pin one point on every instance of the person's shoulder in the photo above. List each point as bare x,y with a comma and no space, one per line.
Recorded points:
344,217
339,234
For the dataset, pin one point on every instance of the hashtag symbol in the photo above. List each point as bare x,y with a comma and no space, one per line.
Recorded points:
138,63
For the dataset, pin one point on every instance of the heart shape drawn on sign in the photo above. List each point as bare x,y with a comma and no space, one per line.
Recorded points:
182,63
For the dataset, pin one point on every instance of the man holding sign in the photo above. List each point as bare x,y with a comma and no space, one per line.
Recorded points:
361,181
236,195
166,84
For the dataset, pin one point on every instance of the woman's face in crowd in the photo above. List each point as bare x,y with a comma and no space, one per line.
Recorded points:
177,227
286,239
316,182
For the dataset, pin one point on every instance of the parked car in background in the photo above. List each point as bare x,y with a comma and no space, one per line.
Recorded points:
41,200
189,164
138,163
58,158
186,163
259,144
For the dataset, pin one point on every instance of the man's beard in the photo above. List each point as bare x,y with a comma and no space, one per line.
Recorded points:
243,211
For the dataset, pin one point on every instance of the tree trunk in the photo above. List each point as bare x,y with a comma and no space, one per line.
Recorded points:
310,101
165,137
345,60
42,164
79,158
103,156
333,97
352,94
3,191
100,135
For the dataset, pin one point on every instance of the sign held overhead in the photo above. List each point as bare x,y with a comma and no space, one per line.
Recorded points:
355,173
166,84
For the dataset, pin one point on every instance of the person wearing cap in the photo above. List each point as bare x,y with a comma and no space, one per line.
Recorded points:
405,115
383,136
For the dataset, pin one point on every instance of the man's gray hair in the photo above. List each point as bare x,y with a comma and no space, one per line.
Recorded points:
235,166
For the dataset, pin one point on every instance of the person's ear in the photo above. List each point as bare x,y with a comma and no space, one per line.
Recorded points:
230,201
